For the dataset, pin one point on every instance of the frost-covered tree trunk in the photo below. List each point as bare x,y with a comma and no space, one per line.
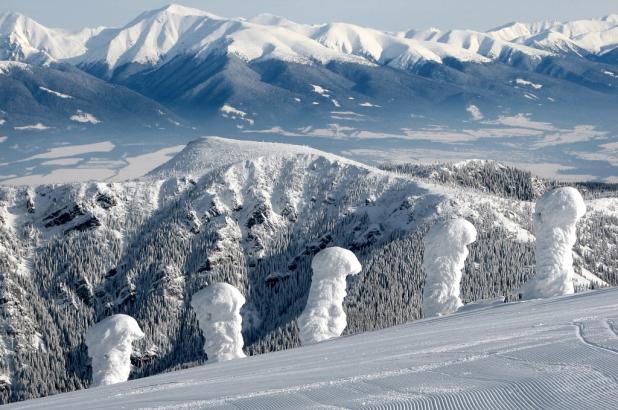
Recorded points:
443,261
217,308
110,344
555,219
323,317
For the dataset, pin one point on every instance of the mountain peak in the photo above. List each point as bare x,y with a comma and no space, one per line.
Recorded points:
171,10
268,19
174,8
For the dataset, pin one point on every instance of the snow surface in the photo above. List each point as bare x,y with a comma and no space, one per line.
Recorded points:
543,354
110,344
84,118
217,308
33,127
525,83
73,150
323,317
56,93
475,112
227,111
555,218
443,261
208,153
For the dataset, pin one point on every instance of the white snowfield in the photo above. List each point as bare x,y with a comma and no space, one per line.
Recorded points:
544,354
209,153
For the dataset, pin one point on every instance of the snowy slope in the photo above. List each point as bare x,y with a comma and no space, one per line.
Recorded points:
208,153
594,36
254,220
549,354
64,97
175,30
23,39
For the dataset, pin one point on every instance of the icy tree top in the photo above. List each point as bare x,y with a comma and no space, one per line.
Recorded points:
449,237
334,262
112,331
560,207
219,301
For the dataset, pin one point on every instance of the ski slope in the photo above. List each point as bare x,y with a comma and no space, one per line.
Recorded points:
542,354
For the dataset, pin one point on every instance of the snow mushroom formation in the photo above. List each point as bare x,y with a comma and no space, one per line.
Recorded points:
217,308
323,317
109,346
445,254
555,219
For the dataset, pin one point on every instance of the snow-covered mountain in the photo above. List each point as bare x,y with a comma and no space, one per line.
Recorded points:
253,215
60,97
160,35
547,354
275,72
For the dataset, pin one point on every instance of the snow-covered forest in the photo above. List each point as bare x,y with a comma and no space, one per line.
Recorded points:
72,255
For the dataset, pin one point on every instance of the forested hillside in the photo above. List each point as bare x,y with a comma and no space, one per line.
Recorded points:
70,255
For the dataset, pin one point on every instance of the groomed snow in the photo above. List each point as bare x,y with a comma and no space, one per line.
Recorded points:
217,308
110,344
544,354
446,250
555,218
323,317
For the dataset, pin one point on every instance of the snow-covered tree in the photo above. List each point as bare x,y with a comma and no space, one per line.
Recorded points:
217,308
555,219
323,317
110,343
443,261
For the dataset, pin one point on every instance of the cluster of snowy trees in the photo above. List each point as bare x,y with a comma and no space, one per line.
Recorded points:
446,248
217,307
555,219
498,179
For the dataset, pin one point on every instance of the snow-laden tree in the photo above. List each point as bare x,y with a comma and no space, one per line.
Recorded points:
323,317
110,344
217,308
555,218
446,250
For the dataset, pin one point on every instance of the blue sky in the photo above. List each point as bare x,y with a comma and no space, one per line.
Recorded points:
383,14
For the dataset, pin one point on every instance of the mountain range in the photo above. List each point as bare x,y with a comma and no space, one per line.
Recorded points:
267,71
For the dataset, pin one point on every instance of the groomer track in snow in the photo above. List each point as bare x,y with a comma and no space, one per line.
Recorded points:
542,354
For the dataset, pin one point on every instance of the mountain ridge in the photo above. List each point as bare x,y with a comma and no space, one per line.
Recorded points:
72,254
200,47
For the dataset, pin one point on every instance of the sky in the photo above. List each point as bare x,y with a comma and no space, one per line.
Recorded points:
381,14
